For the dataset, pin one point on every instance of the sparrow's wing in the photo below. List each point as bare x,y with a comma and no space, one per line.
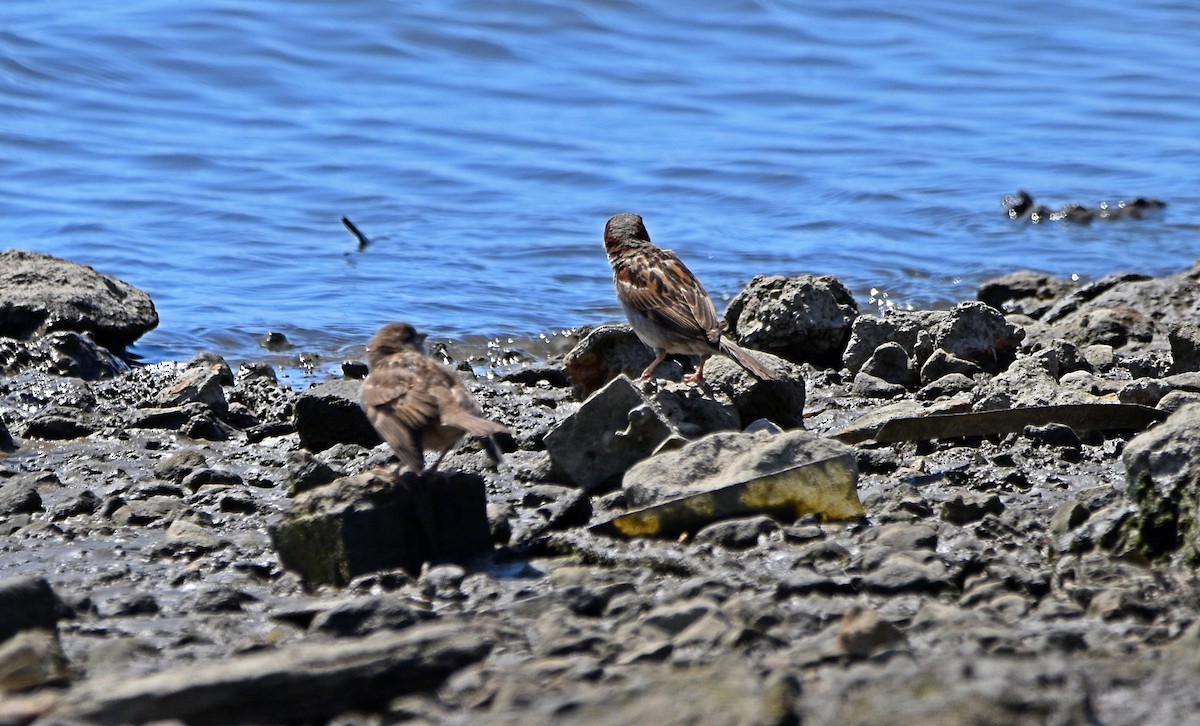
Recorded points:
399,404
656,283
458,408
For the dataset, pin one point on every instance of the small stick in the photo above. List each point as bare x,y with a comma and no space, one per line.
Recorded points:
362,238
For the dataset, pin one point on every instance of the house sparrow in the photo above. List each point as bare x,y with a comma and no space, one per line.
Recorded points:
416,404
665,303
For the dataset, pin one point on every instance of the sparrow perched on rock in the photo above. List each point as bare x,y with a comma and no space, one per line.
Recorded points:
416,404
665,303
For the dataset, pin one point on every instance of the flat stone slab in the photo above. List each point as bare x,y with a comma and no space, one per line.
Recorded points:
727,475
41,293
308,682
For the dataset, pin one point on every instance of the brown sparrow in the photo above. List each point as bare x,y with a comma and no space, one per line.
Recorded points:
665,303
416,404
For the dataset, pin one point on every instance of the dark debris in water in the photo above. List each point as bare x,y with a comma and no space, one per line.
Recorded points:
1022,206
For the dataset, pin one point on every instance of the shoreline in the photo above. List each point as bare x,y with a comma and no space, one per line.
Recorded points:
1021,576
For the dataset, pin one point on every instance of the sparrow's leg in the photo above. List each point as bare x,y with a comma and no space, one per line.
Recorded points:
662,355
698,376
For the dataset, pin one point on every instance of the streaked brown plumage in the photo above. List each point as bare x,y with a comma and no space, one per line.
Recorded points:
665,303
416,404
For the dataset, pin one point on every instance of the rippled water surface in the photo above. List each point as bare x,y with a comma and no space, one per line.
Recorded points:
206,151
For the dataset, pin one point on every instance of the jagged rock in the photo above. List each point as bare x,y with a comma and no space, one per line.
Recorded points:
45,293
615,428
201,382
299,683
370,522
802,319
28,603
1163,474
608,351
978,333
1127,311
693,411
908,329
329,414
780,401
1023,292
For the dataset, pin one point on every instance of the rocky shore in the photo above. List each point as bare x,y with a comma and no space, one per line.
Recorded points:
986,514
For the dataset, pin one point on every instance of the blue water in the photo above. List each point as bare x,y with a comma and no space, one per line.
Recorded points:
205,151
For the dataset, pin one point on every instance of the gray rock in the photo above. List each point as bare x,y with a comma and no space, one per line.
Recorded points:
737,534
19,498
1027,293
367,523
1163,475
30,659
176,467
866,385
611,431
863,632
1068,516
366,615
941,363
304,682
802,319
221,599
891,363
61,354
41,292
608,351
563,507
908,329
85,502
1184,339
329,414
780,401
201,382
28,603
303,472
185,535
671,619
1176,400
691,411
906,537
56,424
908,572
948,386
978,333
968,507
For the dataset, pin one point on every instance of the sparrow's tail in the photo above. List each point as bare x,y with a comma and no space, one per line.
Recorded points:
746,360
